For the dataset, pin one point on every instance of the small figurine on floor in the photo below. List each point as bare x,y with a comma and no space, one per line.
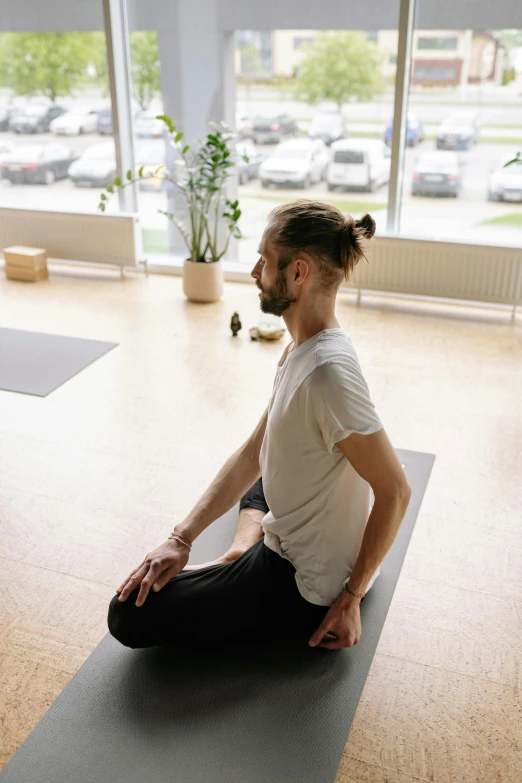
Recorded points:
235,324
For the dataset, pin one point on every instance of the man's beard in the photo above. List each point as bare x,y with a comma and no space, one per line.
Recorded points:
276,300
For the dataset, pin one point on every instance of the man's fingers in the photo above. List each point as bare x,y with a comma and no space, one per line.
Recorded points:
318,635
132,582
146,583
120,588
162,580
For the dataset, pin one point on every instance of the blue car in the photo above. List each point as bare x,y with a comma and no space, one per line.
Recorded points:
414,131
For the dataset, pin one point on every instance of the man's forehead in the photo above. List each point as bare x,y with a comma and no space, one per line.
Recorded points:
265,245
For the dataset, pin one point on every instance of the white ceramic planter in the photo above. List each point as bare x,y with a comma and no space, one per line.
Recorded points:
203,282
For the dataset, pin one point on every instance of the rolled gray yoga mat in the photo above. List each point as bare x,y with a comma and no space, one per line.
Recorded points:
250,714
37,363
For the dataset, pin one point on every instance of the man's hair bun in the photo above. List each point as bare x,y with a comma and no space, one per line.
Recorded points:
366,225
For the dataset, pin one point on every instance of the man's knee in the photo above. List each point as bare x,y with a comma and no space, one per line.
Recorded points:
122,622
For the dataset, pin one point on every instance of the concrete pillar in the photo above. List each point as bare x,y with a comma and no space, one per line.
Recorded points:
197,82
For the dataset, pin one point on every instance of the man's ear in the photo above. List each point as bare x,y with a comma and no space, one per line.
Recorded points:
303,267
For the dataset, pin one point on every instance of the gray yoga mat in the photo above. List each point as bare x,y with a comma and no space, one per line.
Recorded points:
37,363
245,714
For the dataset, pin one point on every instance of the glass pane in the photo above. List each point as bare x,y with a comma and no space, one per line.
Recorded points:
155,155
54,86
465,88
316,109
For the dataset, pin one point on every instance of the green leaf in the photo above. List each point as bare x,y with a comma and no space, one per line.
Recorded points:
234,204
129,175
514,160
185,149
117,182
178,137
103,197
102,207
140,171
168,122
110,189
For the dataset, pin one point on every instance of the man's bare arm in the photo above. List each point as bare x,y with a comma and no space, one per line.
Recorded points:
236,476
375,460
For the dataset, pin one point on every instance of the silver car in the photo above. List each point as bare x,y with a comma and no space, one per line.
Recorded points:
436,174
506,184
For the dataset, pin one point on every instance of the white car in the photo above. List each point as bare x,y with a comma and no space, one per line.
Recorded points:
358,164
506,184
297,162
75,122
147,126
96,167
244,126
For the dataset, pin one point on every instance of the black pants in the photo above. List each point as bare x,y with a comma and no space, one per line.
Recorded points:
254,598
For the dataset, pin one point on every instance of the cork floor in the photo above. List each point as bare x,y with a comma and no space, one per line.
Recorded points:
95,475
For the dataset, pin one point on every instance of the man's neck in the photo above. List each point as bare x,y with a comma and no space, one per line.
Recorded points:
301,330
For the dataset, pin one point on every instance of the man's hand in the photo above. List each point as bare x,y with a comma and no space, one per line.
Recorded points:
155,570
341,626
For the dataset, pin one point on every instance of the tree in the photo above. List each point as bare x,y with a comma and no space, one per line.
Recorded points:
252,63
49,64
339,66
145,66
511,39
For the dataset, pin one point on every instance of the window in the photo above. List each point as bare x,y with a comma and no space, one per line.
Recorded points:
348,156
328,108
437,43
455,186
301,41
55,87
446,74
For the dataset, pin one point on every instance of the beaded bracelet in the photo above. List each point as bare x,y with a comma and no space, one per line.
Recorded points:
357,595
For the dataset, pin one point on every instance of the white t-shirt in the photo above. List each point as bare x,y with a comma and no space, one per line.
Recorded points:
319,505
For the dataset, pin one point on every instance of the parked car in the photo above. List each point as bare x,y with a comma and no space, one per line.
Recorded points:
244,126
96,167
104,125
32,163
358,163
506,184
437,173
299,162
5,113
6,148
273,130
328,126
75,122
34,118
459,130
151,156
147,126
414,131
247,170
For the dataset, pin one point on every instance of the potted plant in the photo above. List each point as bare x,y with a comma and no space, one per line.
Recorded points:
200,177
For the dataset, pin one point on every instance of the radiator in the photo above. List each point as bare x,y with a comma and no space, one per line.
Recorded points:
455,270
74,236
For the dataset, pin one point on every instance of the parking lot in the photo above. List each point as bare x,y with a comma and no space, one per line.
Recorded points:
460,218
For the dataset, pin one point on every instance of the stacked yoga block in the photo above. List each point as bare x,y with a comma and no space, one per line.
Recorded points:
25,263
